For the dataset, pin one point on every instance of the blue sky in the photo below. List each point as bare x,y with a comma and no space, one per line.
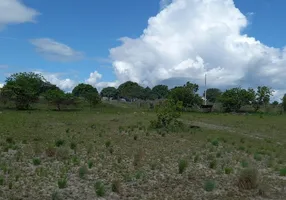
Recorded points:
68,40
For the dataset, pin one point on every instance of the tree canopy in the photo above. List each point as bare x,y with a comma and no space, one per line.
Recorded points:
160,91
109,92
213,94
82,89
130,90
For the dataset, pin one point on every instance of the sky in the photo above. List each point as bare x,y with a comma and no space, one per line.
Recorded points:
106,42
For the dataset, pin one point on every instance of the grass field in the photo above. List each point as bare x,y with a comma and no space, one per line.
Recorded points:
110,153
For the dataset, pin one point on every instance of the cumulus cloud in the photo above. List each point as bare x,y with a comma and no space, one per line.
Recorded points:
15,12
1,85
93,78
164,3
65,84
191,38
55,51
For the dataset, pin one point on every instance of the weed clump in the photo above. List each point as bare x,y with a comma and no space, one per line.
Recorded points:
183,164
213,164
82,172
244,163
209,185
90,164
282,172
107,143
62,183
50,152
59,142
99,189
257,157
215,142
248,179
228,170
36,161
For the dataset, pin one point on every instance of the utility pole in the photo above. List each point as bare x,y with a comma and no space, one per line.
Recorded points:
205,88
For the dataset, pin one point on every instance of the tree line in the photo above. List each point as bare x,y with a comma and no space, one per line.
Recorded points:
24,89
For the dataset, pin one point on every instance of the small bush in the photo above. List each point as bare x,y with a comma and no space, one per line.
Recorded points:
36,161
73,145
107,143
62,183
10,140
282,172
244,164
183,164
257,157
228,170
90,164
209,185
59,142
1,180
248,179
213,164
99,189
116,186
82,171
135,137
215,142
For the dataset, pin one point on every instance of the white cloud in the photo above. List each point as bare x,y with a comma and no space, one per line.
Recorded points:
1,85
15,12
93,78
164,3
55,51
65,84
192,37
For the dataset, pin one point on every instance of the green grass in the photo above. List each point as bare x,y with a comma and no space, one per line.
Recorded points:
85,145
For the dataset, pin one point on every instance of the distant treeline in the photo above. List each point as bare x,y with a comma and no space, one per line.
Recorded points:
24,89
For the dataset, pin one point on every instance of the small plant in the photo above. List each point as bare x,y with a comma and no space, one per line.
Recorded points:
116,186
99,189
244,164
209,185
215,142
213,164
282,172
241,148
111,150
257,157
62,183
183,164
1,180
36,161
248,179
90,164
10,140
139,174
59,142
228,170
107,143
135,137
196,158
82,172
73,146
55,195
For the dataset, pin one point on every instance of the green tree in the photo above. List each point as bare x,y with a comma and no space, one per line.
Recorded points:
233,99
284,102
213,94
92,98
58,98
130,90
262,97
23,89
161,91
275,103
109,92
186,94
82,89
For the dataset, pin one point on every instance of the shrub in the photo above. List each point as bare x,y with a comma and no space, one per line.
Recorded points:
183,164
90,164
82,171
213,164
1,180
244,163
248,179
215,142
73,145
228,170
209,185
107,143
135,137
36,161
60,142
62,183
282,172
99,189
116,186
10,140
257,157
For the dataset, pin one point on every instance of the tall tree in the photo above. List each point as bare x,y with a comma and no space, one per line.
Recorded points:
130,90
58,98
186,94
233,99
82,89
23,88
213,94
262,97
161,91
109,92
284,102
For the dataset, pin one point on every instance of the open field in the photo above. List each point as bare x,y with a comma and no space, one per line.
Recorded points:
110,153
